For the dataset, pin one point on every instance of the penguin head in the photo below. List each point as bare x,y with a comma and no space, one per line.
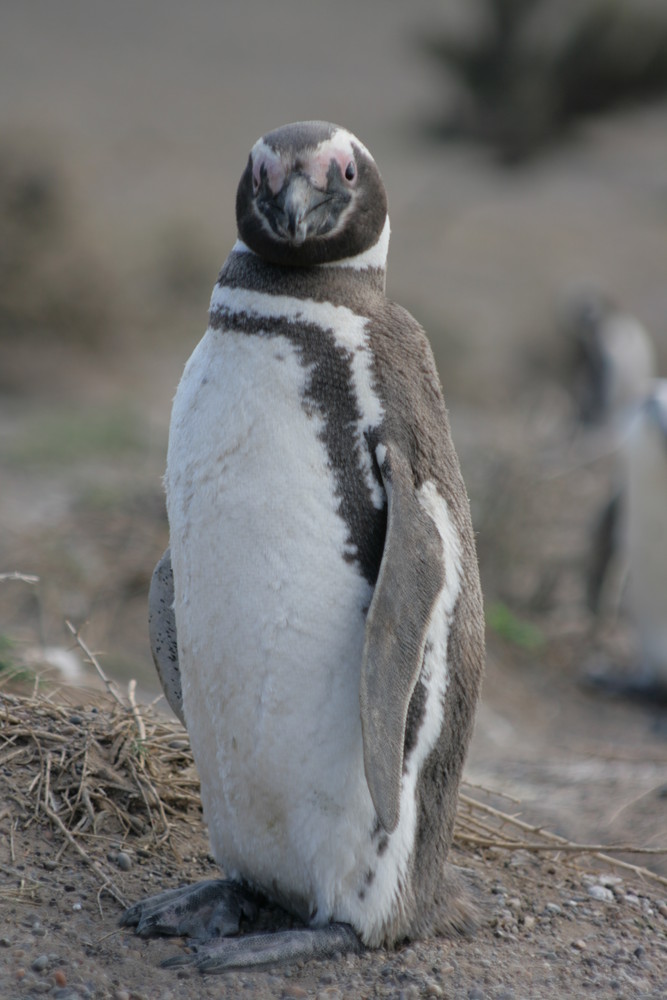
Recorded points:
310,194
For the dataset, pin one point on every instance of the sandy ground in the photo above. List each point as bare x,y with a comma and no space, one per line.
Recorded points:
147,113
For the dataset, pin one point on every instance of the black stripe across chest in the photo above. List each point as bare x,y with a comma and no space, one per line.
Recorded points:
329,394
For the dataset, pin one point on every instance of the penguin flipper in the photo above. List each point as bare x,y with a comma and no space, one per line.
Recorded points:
604,544
162,632
410,579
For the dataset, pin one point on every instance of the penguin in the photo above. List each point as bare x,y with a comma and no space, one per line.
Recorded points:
614,359
317,622
635,524
613,367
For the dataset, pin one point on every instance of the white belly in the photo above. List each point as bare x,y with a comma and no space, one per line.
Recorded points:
270,627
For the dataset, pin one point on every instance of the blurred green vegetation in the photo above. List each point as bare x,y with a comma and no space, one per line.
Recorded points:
505,624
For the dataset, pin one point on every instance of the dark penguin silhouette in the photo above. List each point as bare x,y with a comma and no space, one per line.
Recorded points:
317,622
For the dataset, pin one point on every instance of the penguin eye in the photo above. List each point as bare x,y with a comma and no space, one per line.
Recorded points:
350,171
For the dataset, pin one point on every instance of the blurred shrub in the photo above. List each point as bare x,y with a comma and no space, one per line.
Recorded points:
527,69
505,623
50,283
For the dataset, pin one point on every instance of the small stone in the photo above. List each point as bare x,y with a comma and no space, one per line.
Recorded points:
60,978
77,906
40,963
41,986
5,942
50,865
660,907
553,908
294,992
124,861
580,944
529,921
433,990
599,892
121,995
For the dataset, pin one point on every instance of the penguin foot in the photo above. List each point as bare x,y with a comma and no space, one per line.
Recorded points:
303,944
637,686
202,911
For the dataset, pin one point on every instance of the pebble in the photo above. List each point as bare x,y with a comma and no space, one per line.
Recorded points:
529,921
40,963
553,908
293,992
60,978
41,986
121,995
580,944
610,880
599,892
124,861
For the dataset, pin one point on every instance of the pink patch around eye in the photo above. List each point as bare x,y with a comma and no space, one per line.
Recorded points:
318,165
275,172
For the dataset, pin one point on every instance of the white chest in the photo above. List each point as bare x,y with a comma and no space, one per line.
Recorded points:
270,617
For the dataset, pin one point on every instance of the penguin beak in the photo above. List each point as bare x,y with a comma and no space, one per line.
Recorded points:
300,199
301,209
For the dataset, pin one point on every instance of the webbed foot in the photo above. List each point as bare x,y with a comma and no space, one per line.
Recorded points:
201,911
209,912
637,686
221,954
